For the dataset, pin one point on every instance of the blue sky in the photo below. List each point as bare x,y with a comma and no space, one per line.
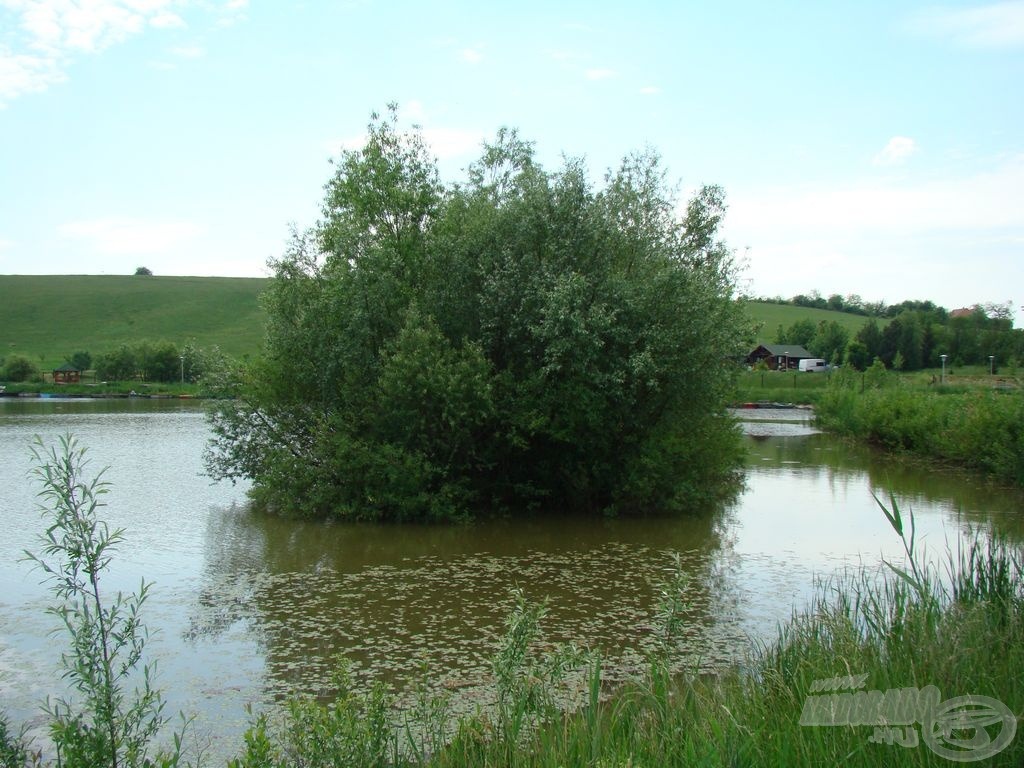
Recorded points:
874,148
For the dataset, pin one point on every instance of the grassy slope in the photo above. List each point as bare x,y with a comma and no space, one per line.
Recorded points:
47,317
54,315
771,316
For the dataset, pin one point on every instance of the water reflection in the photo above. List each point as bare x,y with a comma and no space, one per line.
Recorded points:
852,468
394,598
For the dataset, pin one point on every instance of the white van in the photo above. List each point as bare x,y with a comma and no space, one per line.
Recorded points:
813,364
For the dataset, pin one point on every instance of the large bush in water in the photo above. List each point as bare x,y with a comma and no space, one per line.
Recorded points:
523,340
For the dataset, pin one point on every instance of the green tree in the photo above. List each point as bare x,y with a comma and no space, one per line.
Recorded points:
143,271
870,335
160,361
81,360
876,375
904,335
117,365
20,368
801,332
829,342
520,340
856,355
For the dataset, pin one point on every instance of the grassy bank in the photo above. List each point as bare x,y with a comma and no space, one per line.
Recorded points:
977,428
781,386
107,389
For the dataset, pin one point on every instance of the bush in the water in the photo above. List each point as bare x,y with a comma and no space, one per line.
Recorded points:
521,340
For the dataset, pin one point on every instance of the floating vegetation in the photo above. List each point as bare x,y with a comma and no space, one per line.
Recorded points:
447,613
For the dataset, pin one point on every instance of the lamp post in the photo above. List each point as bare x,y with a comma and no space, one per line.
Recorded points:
943,379
182,358
991,364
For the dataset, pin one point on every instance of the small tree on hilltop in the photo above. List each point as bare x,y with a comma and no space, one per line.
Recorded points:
143,271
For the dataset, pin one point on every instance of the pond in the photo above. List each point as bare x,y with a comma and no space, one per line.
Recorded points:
249,609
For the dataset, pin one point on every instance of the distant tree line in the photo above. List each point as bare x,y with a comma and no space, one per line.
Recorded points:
916,338
161,361
855,305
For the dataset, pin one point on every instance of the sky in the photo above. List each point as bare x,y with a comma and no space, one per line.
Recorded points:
869,148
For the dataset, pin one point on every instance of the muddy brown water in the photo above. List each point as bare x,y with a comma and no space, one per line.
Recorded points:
249,609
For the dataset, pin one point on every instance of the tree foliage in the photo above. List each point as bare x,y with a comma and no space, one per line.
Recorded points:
145,361
81,360
116,712
520,340
20,368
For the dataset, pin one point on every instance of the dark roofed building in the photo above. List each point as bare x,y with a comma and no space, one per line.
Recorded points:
67,374
779,357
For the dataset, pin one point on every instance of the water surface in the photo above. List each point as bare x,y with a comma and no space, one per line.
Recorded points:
250,609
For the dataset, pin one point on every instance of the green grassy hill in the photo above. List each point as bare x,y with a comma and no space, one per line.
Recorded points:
771,316
48,317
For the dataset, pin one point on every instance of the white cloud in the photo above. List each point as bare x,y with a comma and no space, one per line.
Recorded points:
896,151
126,236
599,74
45,37
449,143
471,55
167,20
996,25
953,239
986,200
650,90
412,110
189,52
26,73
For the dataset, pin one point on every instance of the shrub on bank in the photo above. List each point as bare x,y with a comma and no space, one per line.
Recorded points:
18,368
982,430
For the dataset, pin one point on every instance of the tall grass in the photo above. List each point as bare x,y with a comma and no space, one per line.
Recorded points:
981,430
